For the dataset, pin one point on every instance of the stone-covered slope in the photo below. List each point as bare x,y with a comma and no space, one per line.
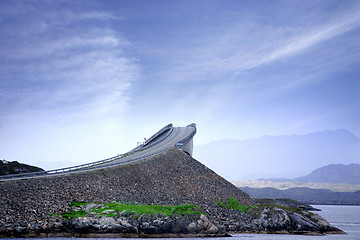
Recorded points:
169,179
174,178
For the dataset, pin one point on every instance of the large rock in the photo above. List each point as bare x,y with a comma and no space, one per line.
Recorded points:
302,224
275,219
278,220
143,225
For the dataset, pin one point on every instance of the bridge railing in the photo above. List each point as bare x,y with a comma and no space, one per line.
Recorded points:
100,164
190,136
83,167
142,146
60,170
167,127
159,138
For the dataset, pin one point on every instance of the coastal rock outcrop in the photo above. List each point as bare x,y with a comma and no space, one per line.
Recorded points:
125,225
278,220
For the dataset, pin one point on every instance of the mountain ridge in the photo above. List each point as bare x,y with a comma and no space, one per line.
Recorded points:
333,173
287,156
306,195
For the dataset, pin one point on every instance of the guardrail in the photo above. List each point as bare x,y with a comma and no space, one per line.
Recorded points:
61,170
190,136
167,127
100,164
80,168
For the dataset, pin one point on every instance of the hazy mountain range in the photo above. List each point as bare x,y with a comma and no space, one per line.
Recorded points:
334,174
307,195
288,156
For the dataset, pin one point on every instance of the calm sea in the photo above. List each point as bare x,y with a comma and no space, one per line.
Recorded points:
347,218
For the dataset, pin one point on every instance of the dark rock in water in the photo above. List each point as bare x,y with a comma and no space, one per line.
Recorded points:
301,223
285,215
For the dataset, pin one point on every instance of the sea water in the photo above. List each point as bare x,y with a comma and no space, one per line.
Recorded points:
346,218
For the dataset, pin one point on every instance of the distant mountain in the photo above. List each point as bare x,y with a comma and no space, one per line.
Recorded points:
287,156
14,167
335,173
307,195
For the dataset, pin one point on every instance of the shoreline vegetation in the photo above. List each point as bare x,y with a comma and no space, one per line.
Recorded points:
82,209
143,221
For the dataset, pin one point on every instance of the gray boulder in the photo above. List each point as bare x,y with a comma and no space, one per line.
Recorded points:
302,223
275,219
202,225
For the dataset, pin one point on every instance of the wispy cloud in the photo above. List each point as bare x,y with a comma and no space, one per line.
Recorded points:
253,45
310,38
49,65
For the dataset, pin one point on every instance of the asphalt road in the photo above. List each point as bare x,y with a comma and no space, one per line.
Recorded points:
164,142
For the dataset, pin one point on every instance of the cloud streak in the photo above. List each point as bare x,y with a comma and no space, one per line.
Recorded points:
311,38
51,66
227,55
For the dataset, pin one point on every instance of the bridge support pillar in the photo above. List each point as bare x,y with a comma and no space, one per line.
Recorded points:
188,147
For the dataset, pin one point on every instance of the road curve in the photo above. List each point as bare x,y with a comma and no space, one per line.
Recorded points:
165,139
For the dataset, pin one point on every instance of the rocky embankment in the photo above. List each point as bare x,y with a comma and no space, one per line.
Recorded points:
133,225
35,207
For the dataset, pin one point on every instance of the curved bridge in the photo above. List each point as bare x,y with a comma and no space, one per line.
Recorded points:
167,138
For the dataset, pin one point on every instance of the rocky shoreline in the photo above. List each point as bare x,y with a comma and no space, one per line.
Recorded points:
124,224
36,207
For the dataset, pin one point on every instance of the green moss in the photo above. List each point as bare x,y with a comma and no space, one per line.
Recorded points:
148,209
75,214
234,204
111,209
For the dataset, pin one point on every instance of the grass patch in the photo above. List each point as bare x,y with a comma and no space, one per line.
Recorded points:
234,204
75,214
149,209
112,209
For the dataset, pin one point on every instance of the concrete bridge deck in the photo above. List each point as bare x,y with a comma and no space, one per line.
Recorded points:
167,138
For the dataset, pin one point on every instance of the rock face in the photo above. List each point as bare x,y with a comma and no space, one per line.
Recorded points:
130,226
14,167
143,225
174,178
278,220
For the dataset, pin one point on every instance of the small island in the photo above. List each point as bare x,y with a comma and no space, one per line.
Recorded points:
170,195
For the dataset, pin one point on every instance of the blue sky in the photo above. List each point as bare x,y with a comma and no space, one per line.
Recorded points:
84,80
